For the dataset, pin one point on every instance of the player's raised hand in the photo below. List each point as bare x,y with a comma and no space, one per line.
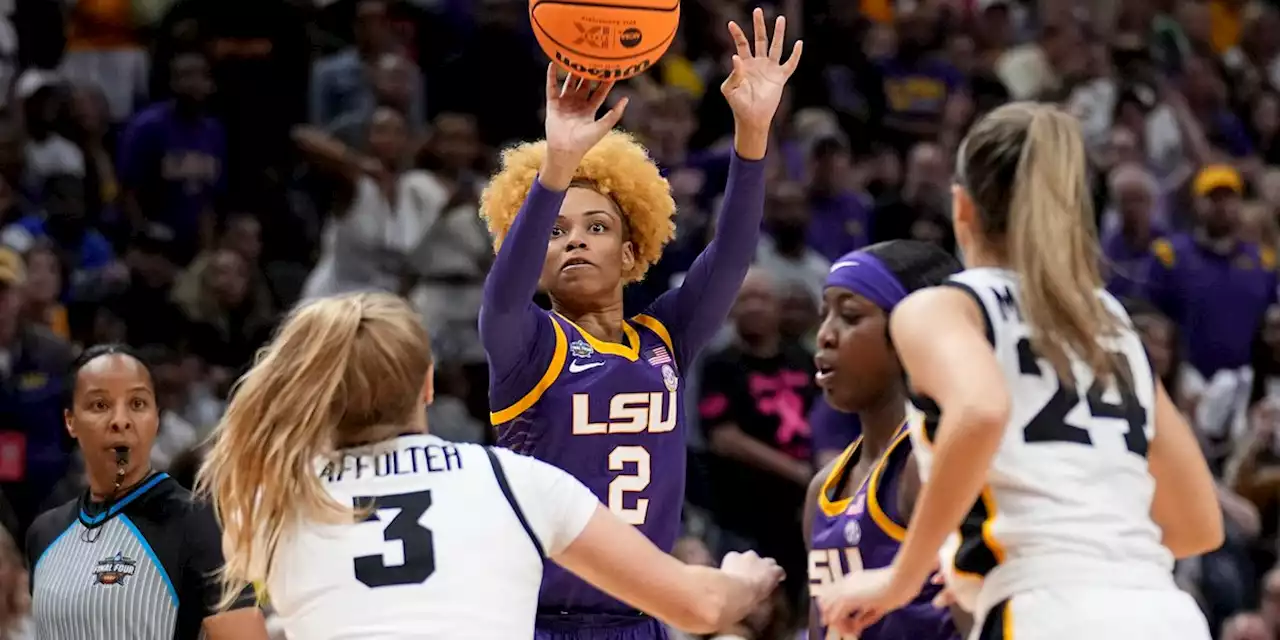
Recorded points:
754,88
763,573
572,127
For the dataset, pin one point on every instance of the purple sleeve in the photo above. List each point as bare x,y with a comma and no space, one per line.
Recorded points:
518,341
694,312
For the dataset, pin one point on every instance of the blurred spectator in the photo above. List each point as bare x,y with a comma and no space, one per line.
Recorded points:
1246,626
44,97
347,83
755,396
392,83
381,216
173,158
103,42
1126,245
1214,286
840,215
42,297
227,318
918,83
783,252
34,452
921,211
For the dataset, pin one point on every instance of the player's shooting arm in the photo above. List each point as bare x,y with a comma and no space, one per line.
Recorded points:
952,363
617,559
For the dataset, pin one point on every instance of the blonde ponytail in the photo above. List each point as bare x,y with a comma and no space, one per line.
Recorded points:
337,366
1052,244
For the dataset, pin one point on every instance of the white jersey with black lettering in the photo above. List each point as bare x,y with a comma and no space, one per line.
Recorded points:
452,546
1068,495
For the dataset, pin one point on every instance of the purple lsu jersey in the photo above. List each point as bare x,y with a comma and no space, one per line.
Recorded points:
612,416
863,531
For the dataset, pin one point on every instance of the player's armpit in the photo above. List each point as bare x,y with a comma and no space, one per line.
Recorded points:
1186,501
239,624
940,334
617,559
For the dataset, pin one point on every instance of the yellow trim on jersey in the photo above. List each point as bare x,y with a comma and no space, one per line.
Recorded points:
548,378
630,350
882,519
988,538
655,325
833,509
1008,619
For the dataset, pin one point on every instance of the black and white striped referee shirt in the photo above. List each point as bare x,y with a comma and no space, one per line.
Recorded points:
144,569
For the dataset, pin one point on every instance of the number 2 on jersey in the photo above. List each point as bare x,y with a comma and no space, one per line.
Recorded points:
626,483
1050,424
416,541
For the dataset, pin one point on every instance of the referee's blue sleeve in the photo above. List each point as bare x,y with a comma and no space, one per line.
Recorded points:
204,560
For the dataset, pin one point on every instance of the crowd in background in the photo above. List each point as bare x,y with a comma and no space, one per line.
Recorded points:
176,174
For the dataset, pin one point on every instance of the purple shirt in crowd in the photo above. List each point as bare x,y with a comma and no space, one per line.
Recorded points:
611,414
175,165
1127,267
1216,299
839,224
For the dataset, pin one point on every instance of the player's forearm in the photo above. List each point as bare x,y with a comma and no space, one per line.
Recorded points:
513,278
710,287
967,441
717,600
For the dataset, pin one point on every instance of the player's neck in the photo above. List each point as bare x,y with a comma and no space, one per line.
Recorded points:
604,323
881,423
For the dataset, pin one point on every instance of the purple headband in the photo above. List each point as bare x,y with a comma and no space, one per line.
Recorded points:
864,274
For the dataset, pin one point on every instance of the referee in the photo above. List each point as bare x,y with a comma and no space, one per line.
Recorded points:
135,557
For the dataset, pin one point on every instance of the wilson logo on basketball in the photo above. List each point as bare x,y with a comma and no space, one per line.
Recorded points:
602,73
596,36
630,38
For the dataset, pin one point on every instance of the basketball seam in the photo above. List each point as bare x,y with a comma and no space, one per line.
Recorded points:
570,49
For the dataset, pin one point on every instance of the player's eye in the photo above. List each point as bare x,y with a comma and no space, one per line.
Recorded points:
139,404
556,231
597,227
98,405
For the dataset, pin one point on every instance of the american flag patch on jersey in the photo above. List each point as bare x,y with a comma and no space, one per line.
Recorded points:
659,356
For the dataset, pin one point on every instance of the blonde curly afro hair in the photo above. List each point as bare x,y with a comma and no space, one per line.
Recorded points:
618,167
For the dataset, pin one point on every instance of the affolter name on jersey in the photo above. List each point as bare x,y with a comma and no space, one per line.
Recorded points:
396,462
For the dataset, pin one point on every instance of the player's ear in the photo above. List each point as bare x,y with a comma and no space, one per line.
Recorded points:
628,256
67,422
428,387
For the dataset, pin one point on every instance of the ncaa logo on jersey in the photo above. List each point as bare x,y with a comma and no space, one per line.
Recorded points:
580,349
114,570
852,533
669,377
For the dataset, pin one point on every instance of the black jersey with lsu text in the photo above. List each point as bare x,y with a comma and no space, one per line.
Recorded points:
143,569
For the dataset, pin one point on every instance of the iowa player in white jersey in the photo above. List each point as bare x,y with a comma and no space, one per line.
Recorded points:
1051,451
362,525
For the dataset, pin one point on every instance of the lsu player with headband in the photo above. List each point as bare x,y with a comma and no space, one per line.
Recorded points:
599,395
1048,444
857,508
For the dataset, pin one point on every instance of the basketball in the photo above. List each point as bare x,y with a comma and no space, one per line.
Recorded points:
605,40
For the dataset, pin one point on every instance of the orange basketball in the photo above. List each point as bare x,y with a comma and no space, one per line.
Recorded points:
605,39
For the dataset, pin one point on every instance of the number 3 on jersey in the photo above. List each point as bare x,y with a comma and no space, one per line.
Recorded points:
417,544
1050,424
625,483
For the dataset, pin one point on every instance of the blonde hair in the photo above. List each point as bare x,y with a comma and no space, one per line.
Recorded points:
338,368
618,167
1024,166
